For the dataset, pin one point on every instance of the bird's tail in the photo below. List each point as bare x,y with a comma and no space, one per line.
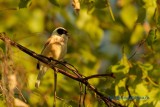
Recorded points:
42,71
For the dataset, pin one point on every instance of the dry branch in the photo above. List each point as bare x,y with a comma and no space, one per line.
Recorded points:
79,77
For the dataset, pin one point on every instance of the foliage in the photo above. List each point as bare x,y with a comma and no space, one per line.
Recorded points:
119,36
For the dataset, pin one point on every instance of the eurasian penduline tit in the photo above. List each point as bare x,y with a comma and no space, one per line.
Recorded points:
56,48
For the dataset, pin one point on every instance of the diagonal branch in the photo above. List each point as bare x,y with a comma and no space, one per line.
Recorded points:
78,78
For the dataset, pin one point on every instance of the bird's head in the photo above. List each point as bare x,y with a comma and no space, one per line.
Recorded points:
60,31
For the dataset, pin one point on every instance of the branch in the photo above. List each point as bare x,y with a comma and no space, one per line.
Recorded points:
78,78
99,75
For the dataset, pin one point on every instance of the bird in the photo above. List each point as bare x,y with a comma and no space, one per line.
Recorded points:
55,47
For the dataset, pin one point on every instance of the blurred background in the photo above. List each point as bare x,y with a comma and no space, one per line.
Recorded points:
127,46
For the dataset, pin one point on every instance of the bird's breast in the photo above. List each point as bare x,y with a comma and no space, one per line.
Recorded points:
58,50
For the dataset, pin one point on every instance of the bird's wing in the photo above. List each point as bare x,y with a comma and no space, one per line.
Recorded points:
48,41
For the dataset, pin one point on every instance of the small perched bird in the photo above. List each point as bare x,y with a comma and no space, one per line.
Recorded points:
55,47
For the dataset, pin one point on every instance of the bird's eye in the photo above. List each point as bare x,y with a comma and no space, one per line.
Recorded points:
61,31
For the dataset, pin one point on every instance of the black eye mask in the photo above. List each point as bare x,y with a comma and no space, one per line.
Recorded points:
62,31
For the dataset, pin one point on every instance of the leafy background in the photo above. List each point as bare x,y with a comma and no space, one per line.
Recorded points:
129,47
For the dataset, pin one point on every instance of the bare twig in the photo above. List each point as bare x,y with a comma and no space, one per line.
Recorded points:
105,99
130,96
74,70
7,9
99,75
55,86
21,94
84,97
139,45
80,95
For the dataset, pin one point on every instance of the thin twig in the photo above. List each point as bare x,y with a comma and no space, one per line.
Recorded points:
99,75
80,95
21,94
74,70
130,96
84,96
139,45
55,87
12,8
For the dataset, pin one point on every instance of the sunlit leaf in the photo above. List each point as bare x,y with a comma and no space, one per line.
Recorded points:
123,66
158,104
153,94
120,87
145,68
150,6
129,16
141,90
137,34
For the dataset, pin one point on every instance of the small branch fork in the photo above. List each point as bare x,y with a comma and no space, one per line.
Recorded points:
74,75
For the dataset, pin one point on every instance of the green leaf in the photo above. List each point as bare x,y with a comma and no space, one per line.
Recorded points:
24,3
100,5
141,15
151,37
158,21
157,14
91,7
54,2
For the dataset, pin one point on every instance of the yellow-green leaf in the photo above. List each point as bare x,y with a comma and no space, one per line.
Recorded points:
137,34
129,16
123,66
